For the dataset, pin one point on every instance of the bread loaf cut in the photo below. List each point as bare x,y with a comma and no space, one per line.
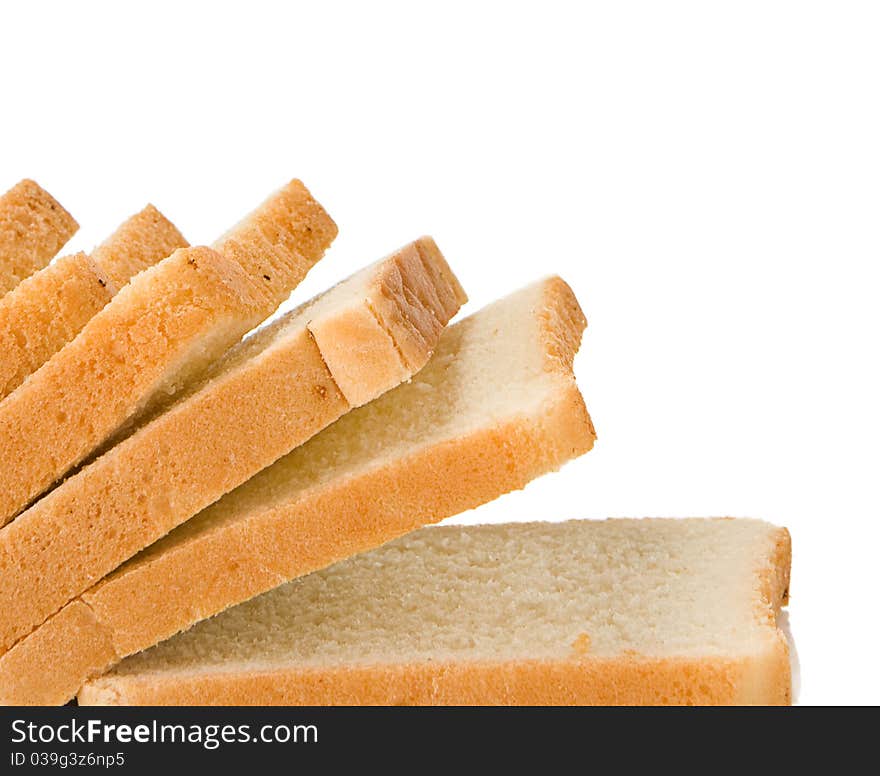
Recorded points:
634,612
266,397
33,228
150,341
48,309
495,407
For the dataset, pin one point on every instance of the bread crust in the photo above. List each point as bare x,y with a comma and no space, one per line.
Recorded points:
770,673
33,228
170,586
623,681
160,476
48,309
407,306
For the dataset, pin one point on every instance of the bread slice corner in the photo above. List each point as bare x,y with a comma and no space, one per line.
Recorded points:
33,228
410,299
287,234
141,241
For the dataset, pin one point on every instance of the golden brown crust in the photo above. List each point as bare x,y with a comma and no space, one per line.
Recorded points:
33,228
626,680
155,479
778,577
441,274
293,221
48,309
160,476
140,242
43,313
415,298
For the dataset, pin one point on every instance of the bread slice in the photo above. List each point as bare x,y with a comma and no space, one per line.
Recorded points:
157,335
495,407
33,228
265,398
48,309
634,612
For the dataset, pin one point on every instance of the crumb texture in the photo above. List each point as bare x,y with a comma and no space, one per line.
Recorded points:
658,588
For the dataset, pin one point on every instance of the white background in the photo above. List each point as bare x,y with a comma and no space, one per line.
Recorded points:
705,175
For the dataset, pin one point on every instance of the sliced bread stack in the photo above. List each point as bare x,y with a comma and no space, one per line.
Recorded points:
494,408
49,308
160,466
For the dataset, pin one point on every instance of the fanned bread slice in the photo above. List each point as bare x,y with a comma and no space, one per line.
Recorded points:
33,228
496,407
48,309
634,612
140,242
288,232
156,336
263,399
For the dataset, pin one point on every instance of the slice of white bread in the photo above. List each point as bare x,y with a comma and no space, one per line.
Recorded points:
495,407
48,309
159,333
265,398
634,612
33,228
